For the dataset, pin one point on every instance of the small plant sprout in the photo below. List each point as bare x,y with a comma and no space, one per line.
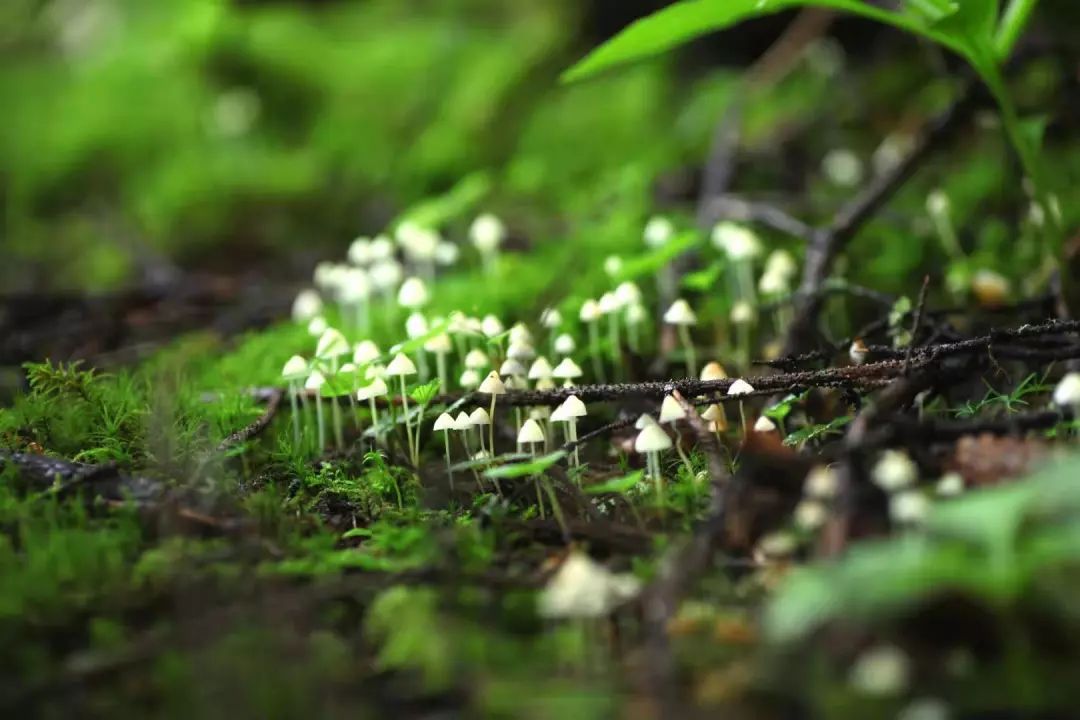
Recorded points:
939,208
1067,391
493,386
671,411
331,347
738,389
894,471
908,508
858,352
651,441
487,233
374,389
295,371
571,409
682,317
564,345
314,383
440,346
365,352
949,485
590,315
568,371
307,305
741,246
400,367
445,422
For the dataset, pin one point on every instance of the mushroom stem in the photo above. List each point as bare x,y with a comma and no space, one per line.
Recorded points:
335,409
594,351
658,481
742,420
685,459
322,423
573,439
536,483
374,417
295,412
688,344
491,427
613,337
440,364
449,471
422,357
405,413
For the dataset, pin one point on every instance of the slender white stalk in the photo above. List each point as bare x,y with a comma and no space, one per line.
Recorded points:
405,411
594,351
440,364
449,471
322,424
335,408
295,412
374,417
688,344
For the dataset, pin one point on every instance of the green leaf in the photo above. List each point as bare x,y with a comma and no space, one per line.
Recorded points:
516,470
456,202
972,20
812,432
423,394
705,279
356,532
685,21
617,486
782,409
650,263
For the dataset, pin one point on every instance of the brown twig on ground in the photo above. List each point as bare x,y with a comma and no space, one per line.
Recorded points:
257,426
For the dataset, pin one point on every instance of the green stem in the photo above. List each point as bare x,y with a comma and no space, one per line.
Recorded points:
691,358
1013,21
295,413
335,410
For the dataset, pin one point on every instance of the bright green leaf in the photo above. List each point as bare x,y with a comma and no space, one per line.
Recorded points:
535,467
618,486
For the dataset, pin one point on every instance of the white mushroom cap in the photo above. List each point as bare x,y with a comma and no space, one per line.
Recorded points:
572,407
540,368
355,286
551,318
671,410
937,202
440,344
810,514
782,264
416,325
658,231
652,438
590,311
608,303
359,251
842,167
520,333
950,484
680,314
385,274
613,265
375,372
520,350
381,248
773,283
492,384
545,383
444,422
644,420
713,371
487,233
740,387
737,241
567,369
530,432
582,588
365,351
821,482
636,313
491,326
413,293
317,325
296,368
564,344
1067,392
463,421
858,351
881,672
512,368
908,507
776,545
557,415
308,304
475,359
376,388
314,381
480,416
401,365
764,425
628,293
742,313
469,379
894,471
331,344
447,253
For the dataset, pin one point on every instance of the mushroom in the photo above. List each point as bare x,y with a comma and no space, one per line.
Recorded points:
590,315
609,305
682,317
1067,392
331,346
487,233
858,351
894,471
651,441
493,386
315,381
479,418
307,305
564,345
295,370
568,412
446,423
582,588
671,411
399,367
440,346
376,388
737,389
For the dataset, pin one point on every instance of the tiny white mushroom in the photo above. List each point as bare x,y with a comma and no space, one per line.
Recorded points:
908,507
1067,391
821,483
494,386
564,344
764,424
582,588
894,471
590,315
307,305
881,671
950,484
651,441
365,352
400,367
445,422
413,294
567,370
294,371
858,351
682,317
671,410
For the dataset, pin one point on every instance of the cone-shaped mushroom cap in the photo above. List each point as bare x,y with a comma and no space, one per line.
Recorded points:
608,303
713,371
512,368
416,325
658,231
491,326
764,424
551,318
1067,392
317,325
644,421
376,388
492,385
476,359
564,344
331,344
636,313
444,422
314,381
742,312
558,415
540,368
307,305
413,293
487,232
628,293
680,314
582,588
479,416
671,410
530,432
858,351
296,368
566,370
590,311
365,351
652,438
713,413
401,365
520,351
375,372
740,387
545,383
463,421
520,333
440,344
573,407
469,378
